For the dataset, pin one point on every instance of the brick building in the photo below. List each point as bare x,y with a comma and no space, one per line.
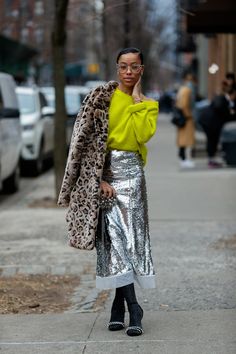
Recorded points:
208,40
29,22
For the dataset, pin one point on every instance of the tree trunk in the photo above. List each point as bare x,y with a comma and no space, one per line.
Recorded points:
126,24
58,57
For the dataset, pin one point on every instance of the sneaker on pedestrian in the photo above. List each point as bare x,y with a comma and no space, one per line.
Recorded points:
214,164
187,164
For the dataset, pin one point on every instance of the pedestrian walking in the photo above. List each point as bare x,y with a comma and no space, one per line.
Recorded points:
185,100
104,187
230,81
213,117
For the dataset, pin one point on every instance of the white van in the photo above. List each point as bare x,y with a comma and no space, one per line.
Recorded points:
10,135
37,121
92,84
74,96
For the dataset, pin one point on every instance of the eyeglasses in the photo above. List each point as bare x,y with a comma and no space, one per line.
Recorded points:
135,68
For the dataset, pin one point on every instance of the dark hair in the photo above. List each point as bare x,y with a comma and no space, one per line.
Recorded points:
130,50
188,72
230,76
233,88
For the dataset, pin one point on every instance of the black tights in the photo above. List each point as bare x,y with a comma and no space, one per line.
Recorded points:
119,298
116,323
127,293
182,153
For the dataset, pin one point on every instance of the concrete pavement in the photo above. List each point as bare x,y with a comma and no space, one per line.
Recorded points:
178,332
193,227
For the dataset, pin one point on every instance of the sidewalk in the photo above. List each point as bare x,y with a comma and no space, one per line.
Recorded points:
193,227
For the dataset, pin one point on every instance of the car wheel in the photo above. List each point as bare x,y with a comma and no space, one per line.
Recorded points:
12,183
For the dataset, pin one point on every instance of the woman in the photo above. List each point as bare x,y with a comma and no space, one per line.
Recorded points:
213,117
105,172
185,135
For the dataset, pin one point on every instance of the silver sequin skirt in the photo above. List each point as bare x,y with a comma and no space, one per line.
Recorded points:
123,242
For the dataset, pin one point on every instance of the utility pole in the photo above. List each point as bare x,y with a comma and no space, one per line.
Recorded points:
127,23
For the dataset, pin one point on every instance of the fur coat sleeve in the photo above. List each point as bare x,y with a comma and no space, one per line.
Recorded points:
81,183
82,128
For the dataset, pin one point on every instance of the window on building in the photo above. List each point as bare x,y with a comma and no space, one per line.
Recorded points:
38,8
39,35
7,31
8,7
24,34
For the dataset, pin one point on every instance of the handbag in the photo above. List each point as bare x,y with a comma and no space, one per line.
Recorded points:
107,203
178,118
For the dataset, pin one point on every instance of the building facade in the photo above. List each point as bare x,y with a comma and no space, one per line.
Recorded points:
211,25
30,22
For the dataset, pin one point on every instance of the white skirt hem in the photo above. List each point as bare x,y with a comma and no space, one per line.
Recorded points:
117,281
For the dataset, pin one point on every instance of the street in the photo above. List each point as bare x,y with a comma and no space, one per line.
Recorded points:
193,236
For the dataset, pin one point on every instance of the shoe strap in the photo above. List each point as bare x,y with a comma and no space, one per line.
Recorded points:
135,328
116,323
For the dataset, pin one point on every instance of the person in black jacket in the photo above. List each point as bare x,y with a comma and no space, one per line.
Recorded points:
230,81
212,118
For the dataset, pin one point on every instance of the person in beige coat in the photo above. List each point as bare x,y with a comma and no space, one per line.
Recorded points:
186,135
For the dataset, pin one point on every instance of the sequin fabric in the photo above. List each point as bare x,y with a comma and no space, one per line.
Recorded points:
123,242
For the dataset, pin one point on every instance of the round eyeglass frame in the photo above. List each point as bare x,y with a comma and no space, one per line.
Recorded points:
136,71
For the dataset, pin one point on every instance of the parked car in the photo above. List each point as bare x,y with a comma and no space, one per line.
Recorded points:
74,96
10,135
91,84
37,121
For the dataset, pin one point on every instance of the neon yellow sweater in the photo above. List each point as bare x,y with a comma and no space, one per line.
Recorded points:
131,125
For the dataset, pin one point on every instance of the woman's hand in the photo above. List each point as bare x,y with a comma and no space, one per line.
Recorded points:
107,190
137,91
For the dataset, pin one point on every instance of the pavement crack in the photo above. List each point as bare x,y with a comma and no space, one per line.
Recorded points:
92,328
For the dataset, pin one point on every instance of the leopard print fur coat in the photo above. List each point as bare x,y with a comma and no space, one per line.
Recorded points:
80,190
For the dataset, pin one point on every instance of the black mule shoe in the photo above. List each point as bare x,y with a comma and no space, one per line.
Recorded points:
117,321
115,326
136,315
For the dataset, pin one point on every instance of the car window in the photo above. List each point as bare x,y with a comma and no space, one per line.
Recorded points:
72,102
43,101
82,97
27,103
50,96
51,99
